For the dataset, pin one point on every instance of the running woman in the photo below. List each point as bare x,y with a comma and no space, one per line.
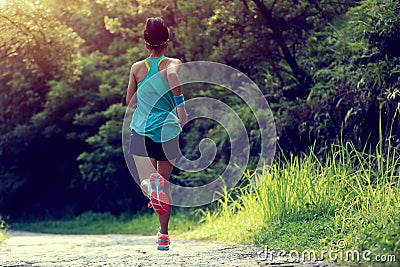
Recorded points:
157,120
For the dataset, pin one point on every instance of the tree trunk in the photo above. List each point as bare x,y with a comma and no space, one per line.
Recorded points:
301,76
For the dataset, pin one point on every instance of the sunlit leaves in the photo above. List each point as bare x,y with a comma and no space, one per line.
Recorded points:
31,34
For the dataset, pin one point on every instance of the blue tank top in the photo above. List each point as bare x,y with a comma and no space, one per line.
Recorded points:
155,114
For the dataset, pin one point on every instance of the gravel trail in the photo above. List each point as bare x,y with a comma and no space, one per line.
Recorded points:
26,249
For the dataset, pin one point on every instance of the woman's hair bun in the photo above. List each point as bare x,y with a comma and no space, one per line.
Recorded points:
156,34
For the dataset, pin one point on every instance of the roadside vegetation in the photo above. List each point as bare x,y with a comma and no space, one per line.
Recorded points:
330,71
303,202
299,203
144,223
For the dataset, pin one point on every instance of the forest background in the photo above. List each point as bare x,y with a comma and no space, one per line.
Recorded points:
330,71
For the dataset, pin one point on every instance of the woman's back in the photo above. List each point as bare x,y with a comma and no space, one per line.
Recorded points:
155,116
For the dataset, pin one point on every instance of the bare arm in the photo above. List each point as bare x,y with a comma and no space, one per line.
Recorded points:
175,84
130,91
172,76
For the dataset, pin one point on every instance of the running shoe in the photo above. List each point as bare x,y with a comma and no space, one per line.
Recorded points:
163,241
158,199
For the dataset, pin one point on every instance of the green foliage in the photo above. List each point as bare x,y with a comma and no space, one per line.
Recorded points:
35,47
106,148
357,78
32,35
270,32
106,223
65,67
304,203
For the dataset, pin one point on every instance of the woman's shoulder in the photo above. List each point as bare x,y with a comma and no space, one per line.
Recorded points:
138,64
139,67
174,61
172,65
139,70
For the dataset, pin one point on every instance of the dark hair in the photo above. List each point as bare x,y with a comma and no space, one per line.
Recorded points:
156,34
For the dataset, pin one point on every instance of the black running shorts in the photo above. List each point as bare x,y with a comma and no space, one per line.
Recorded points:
144,146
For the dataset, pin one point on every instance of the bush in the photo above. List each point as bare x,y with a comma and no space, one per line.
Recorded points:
306,203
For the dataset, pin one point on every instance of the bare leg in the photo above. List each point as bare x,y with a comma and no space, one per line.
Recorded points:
165,168
145,166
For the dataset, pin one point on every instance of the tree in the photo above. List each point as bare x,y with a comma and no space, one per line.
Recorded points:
34,48
273,31
32,35
357,82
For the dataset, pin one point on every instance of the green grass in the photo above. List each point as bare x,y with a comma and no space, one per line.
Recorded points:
106,223
304,203
299,203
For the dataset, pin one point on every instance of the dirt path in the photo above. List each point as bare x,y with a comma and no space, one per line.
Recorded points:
25,249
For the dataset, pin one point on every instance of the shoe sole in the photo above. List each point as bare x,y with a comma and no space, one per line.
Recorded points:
158,198
163,248
163,244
